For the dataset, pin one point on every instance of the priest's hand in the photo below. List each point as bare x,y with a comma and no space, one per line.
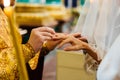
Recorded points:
39,35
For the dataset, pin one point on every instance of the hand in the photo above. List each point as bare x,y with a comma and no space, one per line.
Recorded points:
57,38
38,36
65,35
78,36
76,44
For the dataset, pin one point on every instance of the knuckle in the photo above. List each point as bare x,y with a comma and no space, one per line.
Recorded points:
41,40
33,30
41,28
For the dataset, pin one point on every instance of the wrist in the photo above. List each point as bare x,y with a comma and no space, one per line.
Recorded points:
44,51
47,45
30,47
88,49
86,46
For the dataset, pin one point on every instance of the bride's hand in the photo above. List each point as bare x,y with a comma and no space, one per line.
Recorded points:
59,37
76,44
79,44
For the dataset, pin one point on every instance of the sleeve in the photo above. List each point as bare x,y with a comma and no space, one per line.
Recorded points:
8,62
28,51
90,64
92,60
109,69
34,61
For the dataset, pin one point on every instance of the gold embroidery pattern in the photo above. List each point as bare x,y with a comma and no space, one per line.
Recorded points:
8,65
8,62
34,61
28,51
2,44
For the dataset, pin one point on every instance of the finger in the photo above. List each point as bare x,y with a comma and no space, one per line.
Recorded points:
47,38
64,42
58,37
57,41
71,48
46,34
83,39
76,35
46,29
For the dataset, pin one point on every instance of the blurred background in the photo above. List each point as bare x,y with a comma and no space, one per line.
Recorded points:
61,15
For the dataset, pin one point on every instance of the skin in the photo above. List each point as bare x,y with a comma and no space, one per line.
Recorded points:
58,38
77,44
39,35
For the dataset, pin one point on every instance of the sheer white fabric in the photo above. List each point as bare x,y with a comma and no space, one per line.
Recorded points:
101,28
101,24
81,20
87,22
109,68
90,21
114,22
107,26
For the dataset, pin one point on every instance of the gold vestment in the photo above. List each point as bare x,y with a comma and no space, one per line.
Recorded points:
8,63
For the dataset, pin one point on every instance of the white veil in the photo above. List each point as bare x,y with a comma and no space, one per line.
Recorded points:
114,23
109,68
87,22
90,21
98,25
108,26
101,28
81,20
